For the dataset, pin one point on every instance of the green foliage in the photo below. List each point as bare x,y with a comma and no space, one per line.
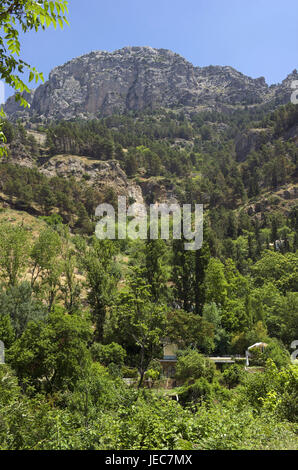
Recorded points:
249,336
52,354
216,286
136,321
107,354
95,392
23,16
227,428
191,366
14,252
185,328
274,351
29,188
233,375
47,268
63,387
17,302
213,315
278,268
7,334
155,269
189,270
273,391
97,261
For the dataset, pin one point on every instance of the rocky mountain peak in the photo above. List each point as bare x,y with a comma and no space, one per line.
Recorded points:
138,78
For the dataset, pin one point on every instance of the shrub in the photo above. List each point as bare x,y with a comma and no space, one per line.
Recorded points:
192,365
108,354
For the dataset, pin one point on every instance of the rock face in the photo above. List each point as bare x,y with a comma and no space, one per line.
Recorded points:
72,165
249,141
100,174
138,78
13,109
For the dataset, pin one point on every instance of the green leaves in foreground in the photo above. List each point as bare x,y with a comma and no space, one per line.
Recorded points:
23,16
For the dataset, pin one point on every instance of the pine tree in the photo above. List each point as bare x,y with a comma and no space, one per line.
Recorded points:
155,268
184,276
202,258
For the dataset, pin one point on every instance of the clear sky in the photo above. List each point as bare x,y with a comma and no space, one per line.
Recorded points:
257,37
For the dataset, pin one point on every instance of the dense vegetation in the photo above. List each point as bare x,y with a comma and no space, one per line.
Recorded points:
78,314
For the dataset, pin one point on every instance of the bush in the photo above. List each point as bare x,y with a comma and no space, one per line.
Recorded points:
274,351
108,354
232,376
192,365
129,372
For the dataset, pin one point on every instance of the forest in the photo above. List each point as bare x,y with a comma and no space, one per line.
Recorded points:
80,316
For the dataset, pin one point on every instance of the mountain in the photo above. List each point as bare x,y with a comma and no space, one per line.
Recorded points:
139,78
214,136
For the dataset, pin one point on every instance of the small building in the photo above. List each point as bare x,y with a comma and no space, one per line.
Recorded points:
221,361
169,360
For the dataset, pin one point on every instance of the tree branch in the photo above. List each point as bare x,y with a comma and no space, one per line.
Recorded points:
13,9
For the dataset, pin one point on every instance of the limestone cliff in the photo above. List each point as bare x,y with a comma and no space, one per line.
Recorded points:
138,78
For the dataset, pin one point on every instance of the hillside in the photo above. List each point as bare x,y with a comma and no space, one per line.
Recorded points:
224,162
87,323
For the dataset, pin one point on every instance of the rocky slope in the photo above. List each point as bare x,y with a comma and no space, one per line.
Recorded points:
137,78
99,174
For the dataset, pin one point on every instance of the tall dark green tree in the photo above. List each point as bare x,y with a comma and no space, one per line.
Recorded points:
184,276
202,258
138,323
156,271
98,262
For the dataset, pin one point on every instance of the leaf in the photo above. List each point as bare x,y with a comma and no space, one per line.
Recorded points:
42,19
49,21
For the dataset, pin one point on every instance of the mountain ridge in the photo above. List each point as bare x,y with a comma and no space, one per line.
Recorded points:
136,78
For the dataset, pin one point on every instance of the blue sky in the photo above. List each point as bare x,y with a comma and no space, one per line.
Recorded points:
257,37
